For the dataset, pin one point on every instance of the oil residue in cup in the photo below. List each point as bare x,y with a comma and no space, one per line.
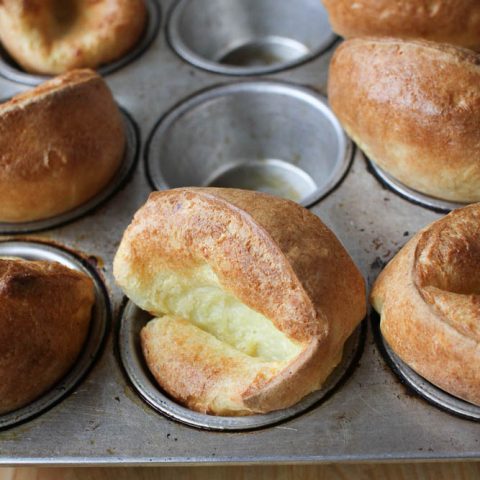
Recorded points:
276,177
264,52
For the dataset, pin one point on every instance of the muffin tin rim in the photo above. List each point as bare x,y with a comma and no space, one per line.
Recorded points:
96,337
198,97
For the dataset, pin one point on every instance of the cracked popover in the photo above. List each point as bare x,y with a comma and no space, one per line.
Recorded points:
253,297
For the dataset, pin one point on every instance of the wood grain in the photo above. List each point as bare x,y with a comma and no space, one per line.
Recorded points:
419,471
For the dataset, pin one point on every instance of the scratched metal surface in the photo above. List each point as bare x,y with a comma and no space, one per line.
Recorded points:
371,417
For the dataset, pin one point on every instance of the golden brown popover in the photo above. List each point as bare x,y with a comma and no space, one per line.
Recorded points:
54,36
414,108
45,312
447,21
60,145
255,297
428,297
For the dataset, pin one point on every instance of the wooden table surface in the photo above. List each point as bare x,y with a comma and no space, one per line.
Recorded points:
419,471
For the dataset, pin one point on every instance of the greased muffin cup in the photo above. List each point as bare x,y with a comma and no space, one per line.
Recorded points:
269,136
251,37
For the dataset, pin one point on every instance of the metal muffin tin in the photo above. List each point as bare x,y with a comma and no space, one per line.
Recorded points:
436,396
370,415
234,136
100,321
250,37
133,319
11,71
130,157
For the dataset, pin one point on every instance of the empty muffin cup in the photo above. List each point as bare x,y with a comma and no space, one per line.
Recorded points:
101,315
10,70
133,319
268,136
422,387
248,37
433,203
121,176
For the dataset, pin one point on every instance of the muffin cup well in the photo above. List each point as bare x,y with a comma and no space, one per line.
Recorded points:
248,37
269,136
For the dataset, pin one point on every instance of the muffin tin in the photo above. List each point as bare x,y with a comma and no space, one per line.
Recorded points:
370,415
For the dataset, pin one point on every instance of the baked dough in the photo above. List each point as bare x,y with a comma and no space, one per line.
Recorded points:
428,297
446,21
60,144
414,108
45,311
255,297
53,36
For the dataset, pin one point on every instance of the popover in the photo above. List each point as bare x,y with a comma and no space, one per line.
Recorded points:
254,297
45,313
414,108
445,21
54,36
60,145
428,297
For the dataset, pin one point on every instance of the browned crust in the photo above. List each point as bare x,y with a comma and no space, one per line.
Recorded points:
447,21
51,37
45,311
429,301
303,375
272,254
414,108
60,144
170,348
